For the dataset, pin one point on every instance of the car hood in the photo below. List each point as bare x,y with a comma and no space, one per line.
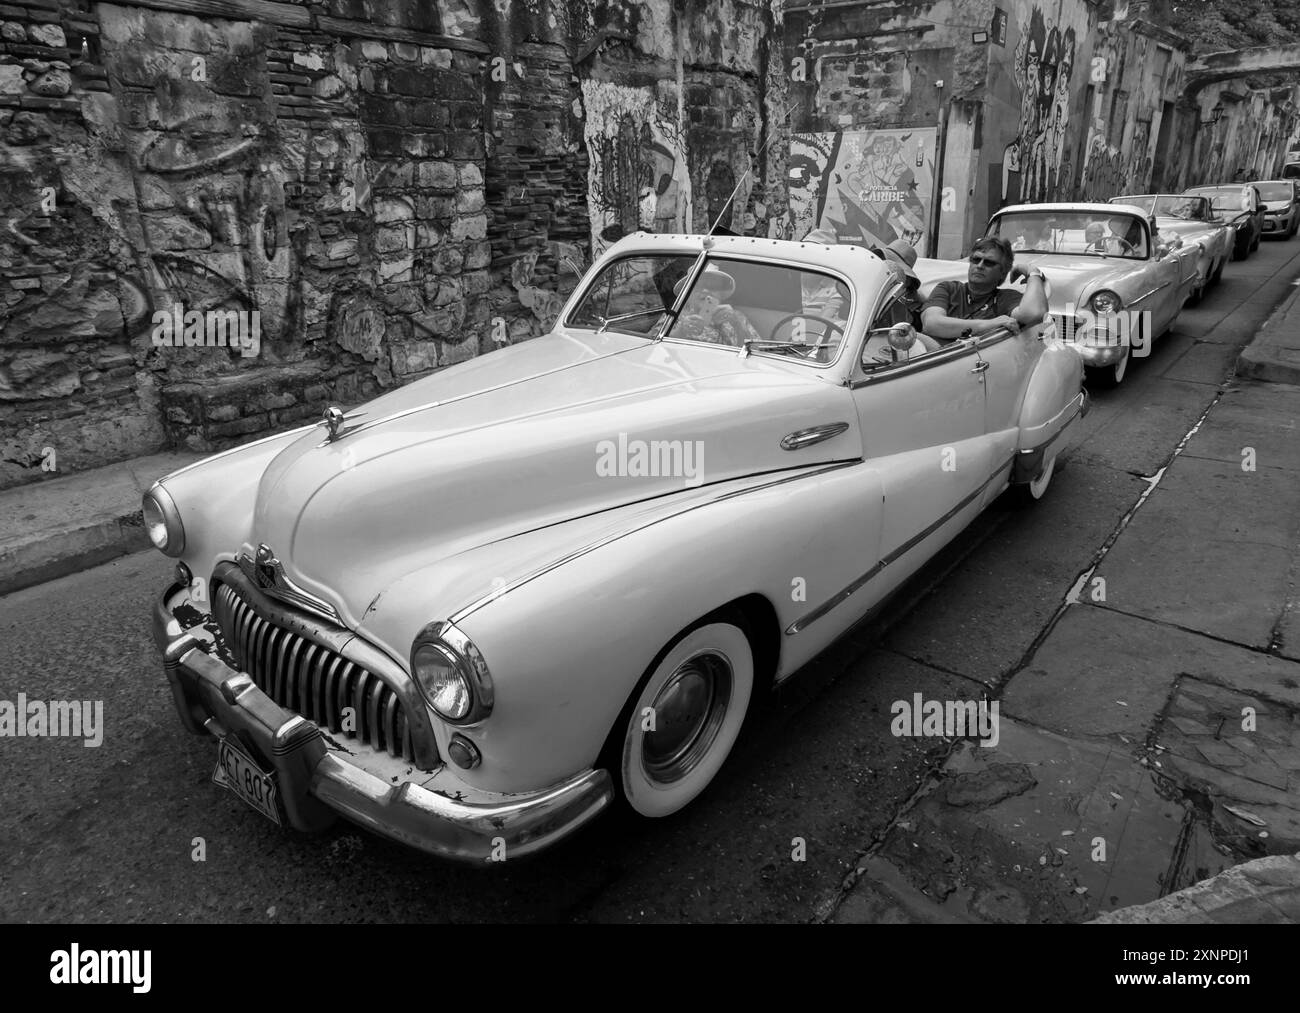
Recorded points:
1276,205
563,426
1187,228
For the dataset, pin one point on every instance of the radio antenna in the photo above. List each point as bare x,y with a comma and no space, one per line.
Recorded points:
748,172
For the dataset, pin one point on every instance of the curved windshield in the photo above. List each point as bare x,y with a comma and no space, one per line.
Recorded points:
1224,198
782,309
1169,206
1275,191
633,294
1077,233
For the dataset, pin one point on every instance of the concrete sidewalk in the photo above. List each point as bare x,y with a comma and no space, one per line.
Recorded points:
69,524
1274,355
1263,892
1150,746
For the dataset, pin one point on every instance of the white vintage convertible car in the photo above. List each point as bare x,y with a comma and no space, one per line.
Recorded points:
475,611
1195,222
1114,283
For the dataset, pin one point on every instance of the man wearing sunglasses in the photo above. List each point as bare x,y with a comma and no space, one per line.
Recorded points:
980,305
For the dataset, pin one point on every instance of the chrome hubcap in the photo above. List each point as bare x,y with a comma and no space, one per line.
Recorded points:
688,711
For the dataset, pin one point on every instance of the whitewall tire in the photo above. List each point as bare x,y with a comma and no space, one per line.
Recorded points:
684,718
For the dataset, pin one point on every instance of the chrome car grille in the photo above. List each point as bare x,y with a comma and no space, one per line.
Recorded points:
310,679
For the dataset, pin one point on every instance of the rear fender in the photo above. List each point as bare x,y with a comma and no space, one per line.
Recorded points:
1053,399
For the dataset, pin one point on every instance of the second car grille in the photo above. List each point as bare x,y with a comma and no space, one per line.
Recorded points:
311,680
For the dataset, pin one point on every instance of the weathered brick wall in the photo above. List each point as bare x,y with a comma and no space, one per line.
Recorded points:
392,186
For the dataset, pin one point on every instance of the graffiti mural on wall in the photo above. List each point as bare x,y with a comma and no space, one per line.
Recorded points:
638,177
1043,69
867,186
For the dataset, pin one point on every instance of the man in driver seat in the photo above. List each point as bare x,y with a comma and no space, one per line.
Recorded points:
706,315
980,304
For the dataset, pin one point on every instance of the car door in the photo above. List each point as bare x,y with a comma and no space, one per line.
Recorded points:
923,430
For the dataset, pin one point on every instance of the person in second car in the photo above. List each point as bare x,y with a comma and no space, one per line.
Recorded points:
706,315
981,304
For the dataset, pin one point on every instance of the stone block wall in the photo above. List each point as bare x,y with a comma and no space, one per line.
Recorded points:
381,188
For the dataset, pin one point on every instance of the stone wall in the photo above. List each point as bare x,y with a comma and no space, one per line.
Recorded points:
1077,100
1249,139
377,188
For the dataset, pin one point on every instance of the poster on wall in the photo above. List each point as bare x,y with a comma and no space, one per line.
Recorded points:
869,187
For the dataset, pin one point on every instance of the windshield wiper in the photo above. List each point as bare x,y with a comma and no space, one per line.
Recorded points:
782,345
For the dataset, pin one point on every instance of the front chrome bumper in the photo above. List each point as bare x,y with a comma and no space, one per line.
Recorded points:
1100,355
316,784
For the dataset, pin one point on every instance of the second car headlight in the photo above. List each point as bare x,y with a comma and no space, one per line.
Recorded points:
451,674
162,521
1105,302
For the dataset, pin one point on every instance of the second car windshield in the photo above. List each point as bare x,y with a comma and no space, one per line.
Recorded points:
1167,205
1079,233
1224,198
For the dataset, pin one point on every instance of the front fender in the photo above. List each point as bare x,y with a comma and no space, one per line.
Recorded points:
566,648
215,498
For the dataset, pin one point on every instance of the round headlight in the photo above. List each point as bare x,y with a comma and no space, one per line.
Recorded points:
443,681
1105,302
162,522
155,523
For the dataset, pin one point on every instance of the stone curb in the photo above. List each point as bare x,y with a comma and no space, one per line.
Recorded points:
1265,891
55,554
1266,357
72,523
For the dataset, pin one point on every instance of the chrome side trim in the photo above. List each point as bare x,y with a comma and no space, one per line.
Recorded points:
380,420
237,450
801,438
961,347
505,589
802,623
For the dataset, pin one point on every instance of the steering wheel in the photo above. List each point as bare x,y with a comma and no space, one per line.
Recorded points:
1127,247
831,325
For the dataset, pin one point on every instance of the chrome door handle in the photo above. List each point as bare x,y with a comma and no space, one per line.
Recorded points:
980,366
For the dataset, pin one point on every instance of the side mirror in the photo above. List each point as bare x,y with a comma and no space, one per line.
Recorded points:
902,336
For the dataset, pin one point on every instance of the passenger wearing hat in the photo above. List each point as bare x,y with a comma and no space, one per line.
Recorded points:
706,315
900,257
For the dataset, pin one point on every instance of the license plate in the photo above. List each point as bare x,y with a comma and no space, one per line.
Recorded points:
237,771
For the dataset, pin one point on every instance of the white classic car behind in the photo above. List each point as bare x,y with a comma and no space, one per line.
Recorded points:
475,611
1195,222
1114,283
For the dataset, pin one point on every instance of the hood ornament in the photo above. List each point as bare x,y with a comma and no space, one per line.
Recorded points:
266,573
333,419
